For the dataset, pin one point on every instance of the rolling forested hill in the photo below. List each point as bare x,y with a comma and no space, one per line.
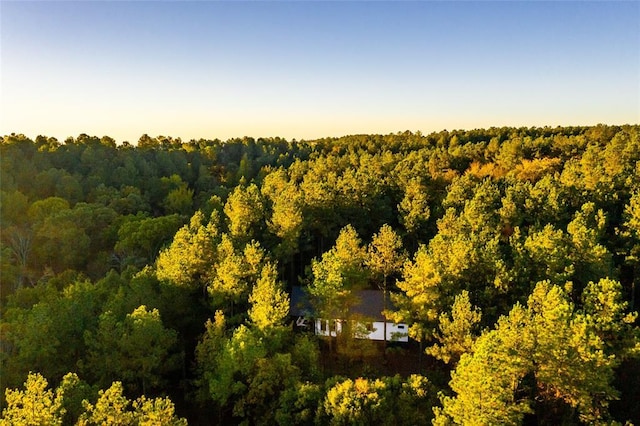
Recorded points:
152,281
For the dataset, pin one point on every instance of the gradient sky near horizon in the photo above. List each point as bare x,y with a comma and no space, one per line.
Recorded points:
306,70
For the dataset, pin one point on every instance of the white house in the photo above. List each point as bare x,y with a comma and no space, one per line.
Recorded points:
368,309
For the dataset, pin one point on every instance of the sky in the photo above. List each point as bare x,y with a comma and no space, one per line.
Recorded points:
311,69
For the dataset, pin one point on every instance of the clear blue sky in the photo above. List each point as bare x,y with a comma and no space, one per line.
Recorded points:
311,69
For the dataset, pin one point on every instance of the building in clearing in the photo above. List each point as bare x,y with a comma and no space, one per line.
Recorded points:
365,315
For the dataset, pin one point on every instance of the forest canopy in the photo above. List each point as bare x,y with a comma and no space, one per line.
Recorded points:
151,283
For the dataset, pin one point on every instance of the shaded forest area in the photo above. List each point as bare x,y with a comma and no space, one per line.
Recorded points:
150,284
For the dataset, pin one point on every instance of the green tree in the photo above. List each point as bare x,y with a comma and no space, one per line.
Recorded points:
298,404
552,254
138,350
13,208
385,257
544,255
34,406
156,412
113,408
207,351
187,262
248,374
268,379
606,311
70,188
546,353
414,208
147,346
632,211
75,392
457,331
41,209
61,245
140,238
385,254
486,382
286,219
269,302
244,210
234,275
74,238
226,377
355,402
45,334
384,401
415,400
421,300
179,200
339,272
631,234
546,202
591,258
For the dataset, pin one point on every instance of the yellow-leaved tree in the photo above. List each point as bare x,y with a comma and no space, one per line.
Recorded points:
547,360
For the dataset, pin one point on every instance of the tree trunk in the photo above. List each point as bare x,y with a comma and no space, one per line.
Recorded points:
384,307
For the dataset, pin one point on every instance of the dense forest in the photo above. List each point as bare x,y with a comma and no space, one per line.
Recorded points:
151,283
